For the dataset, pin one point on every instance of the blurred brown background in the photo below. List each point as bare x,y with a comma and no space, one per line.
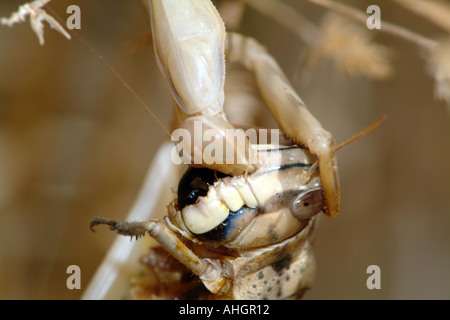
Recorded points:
74,144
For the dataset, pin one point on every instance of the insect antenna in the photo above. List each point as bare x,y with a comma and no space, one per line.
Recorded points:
364,132
115,73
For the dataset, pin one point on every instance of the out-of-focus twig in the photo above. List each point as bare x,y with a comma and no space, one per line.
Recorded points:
387,27
37,16
435,11
439,67
287,17
351,47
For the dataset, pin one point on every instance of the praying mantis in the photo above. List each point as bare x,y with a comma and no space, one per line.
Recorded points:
192,60
193,64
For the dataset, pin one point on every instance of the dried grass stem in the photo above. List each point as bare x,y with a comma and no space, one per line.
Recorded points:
387,27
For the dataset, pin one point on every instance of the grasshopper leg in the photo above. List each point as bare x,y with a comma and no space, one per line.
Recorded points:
290,112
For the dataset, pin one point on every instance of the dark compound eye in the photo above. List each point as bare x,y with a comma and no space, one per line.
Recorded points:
194,184
308,204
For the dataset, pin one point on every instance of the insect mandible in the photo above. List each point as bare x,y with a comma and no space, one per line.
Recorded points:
245,231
